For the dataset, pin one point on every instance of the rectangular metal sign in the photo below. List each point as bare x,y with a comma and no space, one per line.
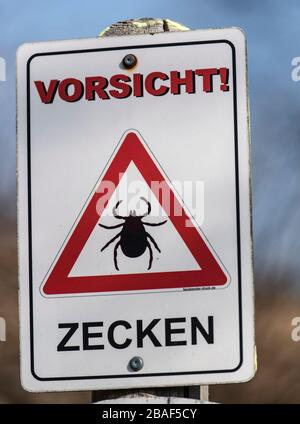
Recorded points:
134,215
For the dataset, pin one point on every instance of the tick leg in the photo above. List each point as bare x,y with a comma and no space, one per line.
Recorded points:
116,255
110,241
153,241
110,227
151,255
149,207
153,224
115,214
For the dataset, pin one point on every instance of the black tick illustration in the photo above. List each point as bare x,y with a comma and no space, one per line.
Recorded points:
133,238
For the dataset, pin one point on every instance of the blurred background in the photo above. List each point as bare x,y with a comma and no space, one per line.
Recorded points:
273,33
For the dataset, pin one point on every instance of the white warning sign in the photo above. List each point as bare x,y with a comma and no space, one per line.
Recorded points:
134,212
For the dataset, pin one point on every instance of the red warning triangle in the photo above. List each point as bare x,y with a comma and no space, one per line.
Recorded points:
132,149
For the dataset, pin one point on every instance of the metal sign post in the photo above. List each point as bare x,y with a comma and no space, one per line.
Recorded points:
139,27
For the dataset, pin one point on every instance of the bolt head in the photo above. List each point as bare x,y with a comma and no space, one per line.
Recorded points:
129,61
136,363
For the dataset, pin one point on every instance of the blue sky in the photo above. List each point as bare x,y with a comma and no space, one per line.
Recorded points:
273,33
